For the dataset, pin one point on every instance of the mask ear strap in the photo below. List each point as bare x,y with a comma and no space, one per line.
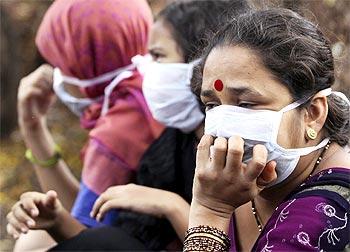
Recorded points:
341,95
324,92
99,79
108,90
195,62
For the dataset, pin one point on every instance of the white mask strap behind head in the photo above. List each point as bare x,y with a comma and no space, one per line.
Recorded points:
108,90
91,82
325,92
341,95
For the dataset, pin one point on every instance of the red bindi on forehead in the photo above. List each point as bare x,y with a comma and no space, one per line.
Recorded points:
218,85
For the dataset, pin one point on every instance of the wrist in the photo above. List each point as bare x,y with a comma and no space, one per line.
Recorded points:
204,215
32,128
175,206
55,230
65,226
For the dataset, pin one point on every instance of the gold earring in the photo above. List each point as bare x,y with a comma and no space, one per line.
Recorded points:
311,133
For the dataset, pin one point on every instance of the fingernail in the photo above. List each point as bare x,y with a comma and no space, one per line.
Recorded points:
91,214
15,236
30,223
33,212
24,230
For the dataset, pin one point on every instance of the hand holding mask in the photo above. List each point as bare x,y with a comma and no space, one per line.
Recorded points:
222,181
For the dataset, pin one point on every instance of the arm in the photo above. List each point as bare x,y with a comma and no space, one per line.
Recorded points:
66,227
145,200
222,183
177,212
35,97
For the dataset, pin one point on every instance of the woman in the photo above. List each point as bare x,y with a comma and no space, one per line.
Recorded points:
91,45
271,170
177,36
166,170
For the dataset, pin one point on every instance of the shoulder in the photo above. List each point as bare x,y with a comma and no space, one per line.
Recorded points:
307,223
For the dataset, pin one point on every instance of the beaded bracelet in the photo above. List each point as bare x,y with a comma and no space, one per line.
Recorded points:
206,238
44,163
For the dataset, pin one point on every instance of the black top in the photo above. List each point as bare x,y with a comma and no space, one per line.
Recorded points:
168,164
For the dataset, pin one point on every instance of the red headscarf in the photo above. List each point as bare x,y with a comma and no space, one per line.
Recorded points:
87,38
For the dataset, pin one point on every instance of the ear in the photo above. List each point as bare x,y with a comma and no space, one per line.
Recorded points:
315,116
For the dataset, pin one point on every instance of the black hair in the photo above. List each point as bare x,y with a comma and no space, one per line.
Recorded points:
192,21
297,54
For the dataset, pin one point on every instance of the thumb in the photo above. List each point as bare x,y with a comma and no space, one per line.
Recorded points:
51,199
268,175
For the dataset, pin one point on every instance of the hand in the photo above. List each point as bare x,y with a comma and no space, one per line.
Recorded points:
137,198
34,211
35,96
222,182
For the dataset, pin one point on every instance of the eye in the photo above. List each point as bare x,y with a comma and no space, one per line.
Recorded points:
156,56
209,106
246,104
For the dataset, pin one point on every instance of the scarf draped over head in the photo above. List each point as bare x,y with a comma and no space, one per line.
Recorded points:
88,38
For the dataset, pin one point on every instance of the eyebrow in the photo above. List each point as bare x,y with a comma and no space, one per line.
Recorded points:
155,48
208,93
244,91
237,91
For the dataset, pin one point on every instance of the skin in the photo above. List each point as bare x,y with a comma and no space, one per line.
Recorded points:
162,45
223,185
42,211
35,97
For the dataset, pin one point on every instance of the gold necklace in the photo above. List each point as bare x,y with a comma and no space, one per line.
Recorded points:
255,212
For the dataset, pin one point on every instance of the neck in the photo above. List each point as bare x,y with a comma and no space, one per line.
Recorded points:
267,201
308,165
199,131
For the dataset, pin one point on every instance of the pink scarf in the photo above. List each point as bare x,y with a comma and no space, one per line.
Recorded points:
87,38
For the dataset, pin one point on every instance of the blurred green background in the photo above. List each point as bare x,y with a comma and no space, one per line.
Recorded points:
19,20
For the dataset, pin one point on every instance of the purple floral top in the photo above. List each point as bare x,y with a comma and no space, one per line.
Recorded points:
308,220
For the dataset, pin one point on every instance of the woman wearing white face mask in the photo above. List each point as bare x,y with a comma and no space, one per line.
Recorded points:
165,176
272,172
91,45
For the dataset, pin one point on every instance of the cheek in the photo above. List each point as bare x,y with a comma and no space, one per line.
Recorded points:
290,134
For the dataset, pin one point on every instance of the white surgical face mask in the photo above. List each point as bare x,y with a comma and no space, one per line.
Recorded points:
259,127
78,105
166,87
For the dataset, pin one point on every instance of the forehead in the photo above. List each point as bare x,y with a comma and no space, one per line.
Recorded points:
238,66
160,34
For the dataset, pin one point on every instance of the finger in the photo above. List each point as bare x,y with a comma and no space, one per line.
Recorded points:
268,175
51,199
235,153
43,76
98,203
36,198
21,215
29,206
219,153
12,231
28,92
203,150
108,205
258,162
19,226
